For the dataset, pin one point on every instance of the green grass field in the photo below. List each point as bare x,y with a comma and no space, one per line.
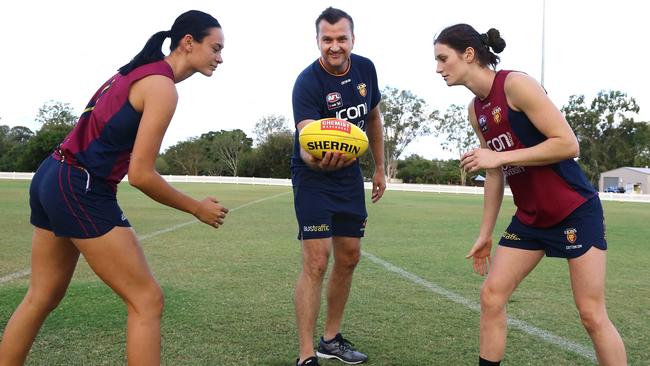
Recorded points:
229,292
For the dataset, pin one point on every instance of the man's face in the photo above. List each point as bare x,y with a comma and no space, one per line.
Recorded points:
335,42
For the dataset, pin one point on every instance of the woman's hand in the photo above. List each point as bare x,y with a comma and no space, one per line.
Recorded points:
480,253
211,212
481,158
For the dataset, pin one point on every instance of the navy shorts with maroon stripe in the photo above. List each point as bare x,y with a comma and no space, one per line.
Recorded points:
65,199
572,237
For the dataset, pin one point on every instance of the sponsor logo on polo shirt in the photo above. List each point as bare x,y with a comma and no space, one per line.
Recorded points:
333,100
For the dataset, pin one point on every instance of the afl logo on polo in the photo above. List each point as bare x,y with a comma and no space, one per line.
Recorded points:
333,100
571,235
362,89
496,114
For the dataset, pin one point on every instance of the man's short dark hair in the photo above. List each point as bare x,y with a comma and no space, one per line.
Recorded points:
332,16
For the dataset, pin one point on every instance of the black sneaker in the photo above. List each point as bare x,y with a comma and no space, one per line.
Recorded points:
311,361
341,349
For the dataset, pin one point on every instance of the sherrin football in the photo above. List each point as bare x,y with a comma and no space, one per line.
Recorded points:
333,134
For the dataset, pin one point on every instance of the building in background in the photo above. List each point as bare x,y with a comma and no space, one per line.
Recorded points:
625,180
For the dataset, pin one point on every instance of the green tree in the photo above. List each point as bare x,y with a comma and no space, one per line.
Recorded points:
185,157
19,134
55,113
605,130
227,148
642,143
457,134
13,145
269,125
4,143
446,172
416,169
57,120
405,118
40,146
272,158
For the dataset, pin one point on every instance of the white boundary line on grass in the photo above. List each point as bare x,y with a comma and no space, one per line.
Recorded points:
26,272
516,323
15,275
545,335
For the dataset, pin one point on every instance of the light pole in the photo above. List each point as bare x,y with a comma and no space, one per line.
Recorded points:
543,41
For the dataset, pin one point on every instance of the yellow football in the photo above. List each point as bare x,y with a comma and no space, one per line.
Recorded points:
333,134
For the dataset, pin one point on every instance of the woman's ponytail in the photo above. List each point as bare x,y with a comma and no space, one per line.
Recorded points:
151,52
194,22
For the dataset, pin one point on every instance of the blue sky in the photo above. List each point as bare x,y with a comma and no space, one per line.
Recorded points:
63,51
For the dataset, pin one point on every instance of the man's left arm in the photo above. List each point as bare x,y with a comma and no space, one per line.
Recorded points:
375,132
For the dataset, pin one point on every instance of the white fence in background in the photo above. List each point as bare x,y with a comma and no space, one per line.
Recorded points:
430,188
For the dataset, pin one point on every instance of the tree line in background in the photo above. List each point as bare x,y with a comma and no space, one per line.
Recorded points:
609,138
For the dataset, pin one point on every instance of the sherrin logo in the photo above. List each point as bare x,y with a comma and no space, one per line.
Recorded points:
571,235
333,145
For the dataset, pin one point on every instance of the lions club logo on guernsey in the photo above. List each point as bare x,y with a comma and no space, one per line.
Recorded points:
571,235
496,114
482,122
362,89
333,100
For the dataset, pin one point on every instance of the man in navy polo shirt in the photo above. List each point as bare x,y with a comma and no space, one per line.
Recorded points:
329,195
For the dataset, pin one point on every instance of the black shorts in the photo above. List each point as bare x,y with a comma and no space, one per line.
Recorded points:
323,214
571,238
66,200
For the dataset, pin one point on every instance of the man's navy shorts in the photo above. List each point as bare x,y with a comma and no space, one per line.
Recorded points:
323,213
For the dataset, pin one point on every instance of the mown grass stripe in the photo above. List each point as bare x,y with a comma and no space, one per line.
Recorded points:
25,272
547,336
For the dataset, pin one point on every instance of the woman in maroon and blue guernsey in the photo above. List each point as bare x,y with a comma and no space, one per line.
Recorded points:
526,139
73,194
